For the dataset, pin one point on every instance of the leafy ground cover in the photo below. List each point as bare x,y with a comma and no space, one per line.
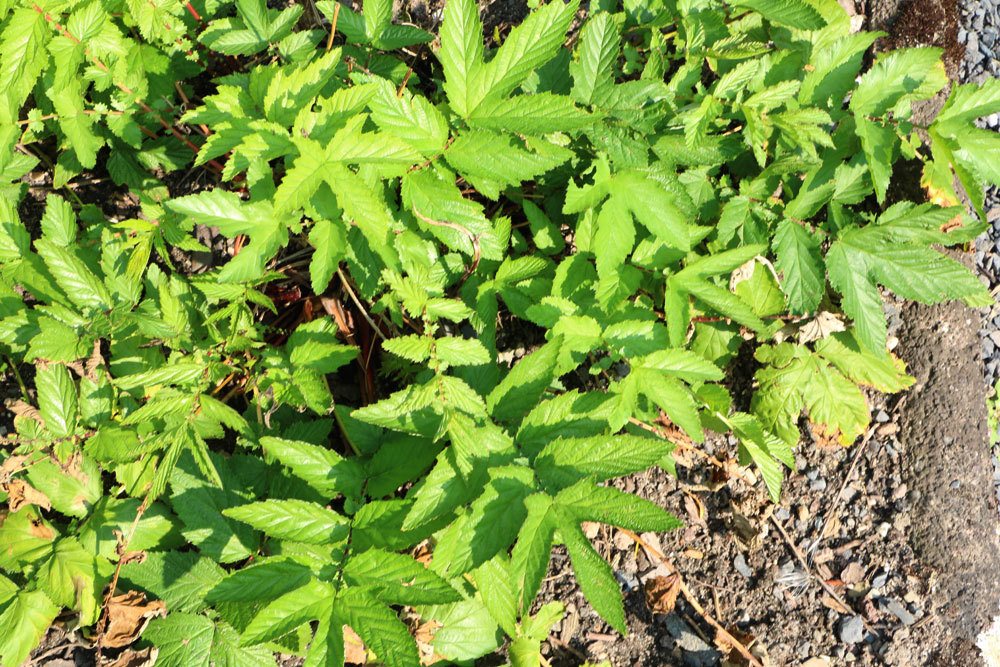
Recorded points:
295,400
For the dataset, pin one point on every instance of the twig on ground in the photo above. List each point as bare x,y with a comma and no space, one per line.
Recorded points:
655,554
357,302
808,570
840,492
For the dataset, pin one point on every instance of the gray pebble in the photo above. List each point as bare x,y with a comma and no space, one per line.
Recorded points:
740,563
818,485
897,609
851,630
879,580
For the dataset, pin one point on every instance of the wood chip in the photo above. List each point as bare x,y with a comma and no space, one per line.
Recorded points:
832,603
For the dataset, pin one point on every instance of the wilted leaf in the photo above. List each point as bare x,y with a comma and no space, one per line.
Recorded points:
661,593
128,615
21,493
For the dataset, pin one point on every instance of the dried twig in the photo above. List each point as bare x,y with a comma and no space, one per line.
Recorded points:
123,542
805,566
840,492
655,554
357,302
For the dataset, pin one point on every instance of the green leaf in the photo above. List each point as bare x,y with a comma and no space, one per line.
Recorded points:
461,351
801,266
461,54
654,208
674,399
73,276
287,612
793,13
297,520
73,578
379,628
897,75
595,577
528,46
267,580
586,501
23,623
180,578
542,113
398,579
216,208
411,118
57,399
520,390
321,468
593,69
601,457
848,274
530,557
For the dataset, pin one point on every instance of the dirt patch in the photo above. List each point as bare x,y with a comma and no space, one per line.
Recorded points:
912,23
948,463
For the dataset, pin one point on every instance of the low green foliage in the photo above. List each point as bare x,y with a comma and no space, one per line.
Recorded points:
647,191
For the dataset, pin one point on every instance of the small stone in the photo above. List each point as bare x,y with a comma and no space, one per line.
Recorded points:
783,514
818,485
740,563
851,630
879,580
882,416
955,484
883,529
695,652
897,609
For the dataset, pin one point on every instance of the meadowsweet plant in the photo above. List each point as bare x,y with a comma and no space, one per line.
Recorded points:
389,309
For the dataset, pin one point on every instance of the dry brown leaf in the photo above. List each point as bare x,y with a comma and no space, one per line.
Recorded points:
10,466
728,649
94,362
21,493
128,615
133,557
76,367
832,603
821,326
40,530
354,649
424,636
422,553
695,509
661,593
22,409
132,658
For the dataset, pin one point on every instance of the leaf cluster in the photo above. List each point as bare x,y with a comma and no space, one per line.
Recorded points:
430,299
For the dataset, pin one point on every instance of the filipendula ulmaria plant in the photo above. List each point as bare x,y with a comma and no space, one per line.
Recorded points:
653,189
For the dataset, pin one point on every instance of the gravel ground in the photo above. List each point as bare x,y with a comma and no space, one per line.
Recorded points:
980,34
